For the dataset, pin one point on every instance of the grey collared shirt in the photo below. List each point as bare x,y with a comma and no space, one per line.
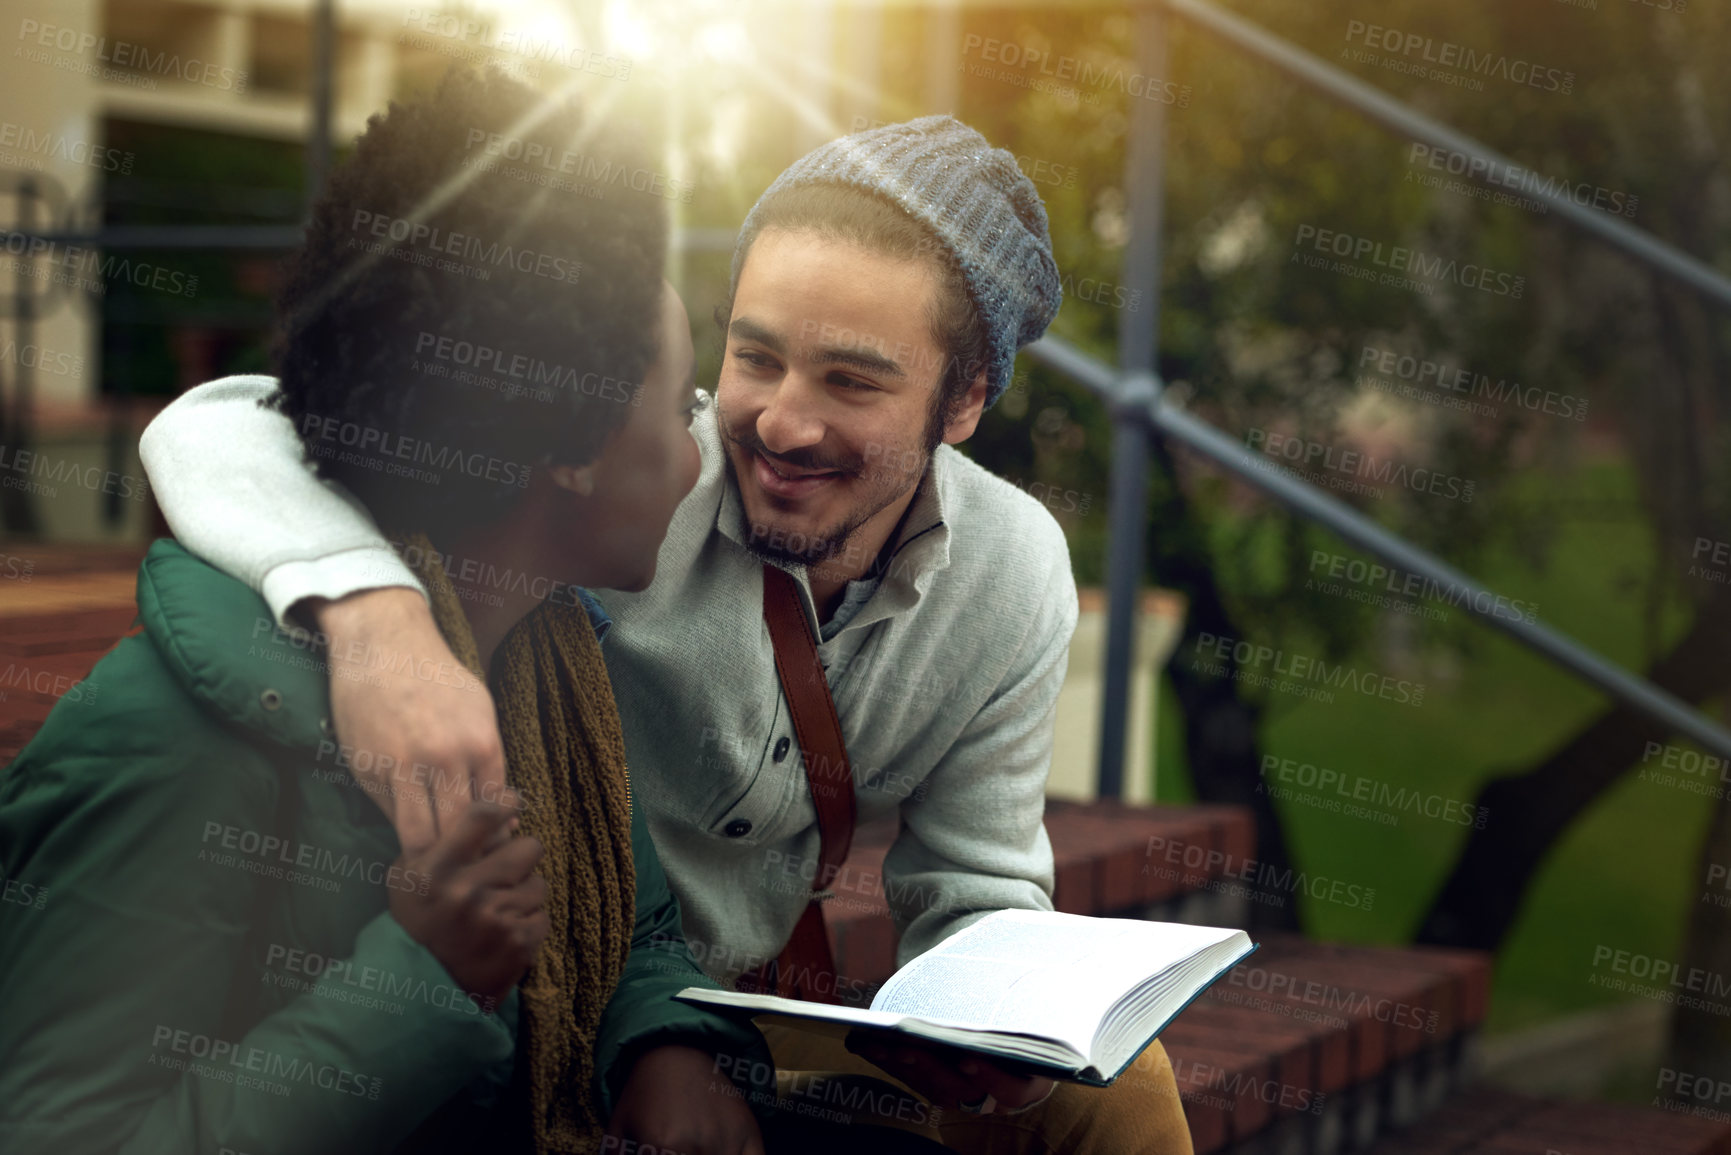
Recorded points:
857,595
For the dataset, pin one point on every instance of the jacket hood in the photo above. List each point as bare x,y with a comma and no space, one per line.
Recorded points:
222,642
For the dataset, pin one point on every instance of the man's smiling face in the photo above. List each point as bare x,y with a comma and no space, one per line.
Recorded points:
827,393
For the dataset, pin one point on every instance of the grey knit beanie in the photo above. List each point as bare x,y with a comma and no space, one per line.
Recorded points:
980,205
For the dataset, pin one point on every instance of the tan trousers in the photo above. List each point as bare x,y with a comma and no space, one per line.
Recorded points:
1139,1114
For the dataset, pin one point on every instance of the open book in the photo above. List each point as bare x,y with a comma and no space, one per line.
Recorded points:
1068,996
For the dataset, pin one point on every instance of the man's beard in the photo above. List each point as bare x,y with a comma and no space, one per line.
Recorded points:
815,551
828,547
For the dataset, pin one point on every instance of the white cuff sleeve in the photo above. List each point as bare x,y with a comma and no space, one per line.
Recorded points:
333,576
234,483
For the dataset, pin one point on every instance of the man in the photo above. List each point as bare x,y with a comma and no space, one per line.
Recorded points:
880,290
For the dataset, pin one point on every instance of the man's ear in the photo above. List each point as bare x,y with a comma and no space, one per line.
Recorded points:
961,426
579,479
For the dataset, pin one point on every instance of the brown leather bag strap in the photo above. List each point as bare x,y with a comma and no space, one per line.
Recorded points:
806,966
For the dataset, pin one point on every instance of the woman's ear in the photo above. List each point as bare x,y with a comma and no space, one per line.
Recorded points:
579,479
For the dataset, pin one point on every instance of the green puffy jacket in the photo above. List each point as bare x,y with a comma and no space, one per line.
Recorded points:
196,952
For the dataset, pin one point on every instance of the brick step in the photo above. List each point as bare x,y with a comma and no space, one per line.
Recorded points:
1486,1121
30,687
33,561
64,596
48,642
15,735
1112,858
92,624
1229,1088
22,713
15,671
90,638
1329,1041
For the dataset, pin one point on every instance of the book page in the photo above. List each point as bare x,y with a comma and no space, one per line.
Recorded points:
1039,972
1043,1001
1006,973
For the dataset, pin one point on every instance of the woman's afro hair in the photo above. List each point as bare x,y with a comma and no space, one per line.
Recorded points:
477,296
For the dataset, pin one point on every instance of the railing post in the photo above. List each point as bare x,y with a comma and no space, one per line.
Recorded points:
18,512
318,162
943,56
1138,342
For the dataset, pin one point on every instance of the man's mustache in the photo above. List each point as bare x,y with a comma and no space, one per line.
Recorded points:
807,460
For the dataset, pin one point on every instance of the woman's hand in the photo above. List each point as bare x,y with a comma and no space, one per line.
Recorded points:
474,901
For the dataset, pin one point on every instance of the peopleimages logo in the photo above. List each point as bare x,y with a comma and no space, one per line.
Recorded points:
1040,70
225,1061
538,374
1290,990
721,959
32,356
33,145
1435,381
277,857
1236,1084
468,33
1358,467
1194,864
1448,55
372,449
38,472
1399,260
1335,568
1680,1092
131,59
1711,559
1661,979
1358,788
472,571
20,893
1688,770
45,685
313,973
87,270
1214,652
437,241
1520,180
594,172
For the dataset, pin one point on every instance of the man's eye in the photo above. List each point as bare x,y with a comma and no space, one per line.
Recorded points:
853,383
757,360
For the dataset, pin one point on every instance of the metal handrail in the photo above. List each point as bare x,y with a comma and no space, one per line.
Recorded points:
1307,500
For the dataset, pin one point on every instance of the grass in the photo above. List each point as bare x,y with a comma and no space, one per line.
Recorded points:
1624,876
